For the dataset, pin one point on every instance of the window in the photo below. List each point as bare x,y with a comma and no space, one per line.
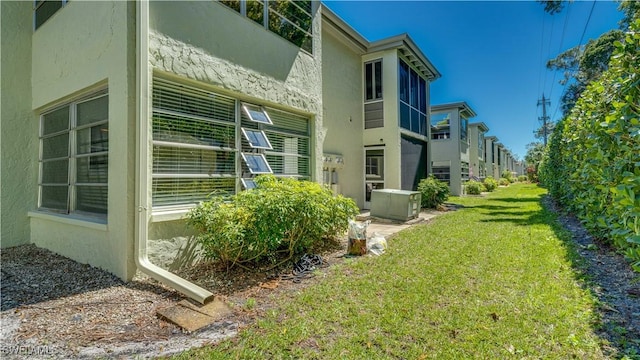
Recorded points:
440,128
464,123
257,139
413,100
257,163
464,171
194,144
256,114
74,157
206,143
373,80
442,173
480,143
292,20
44,9
248,184
374,106
374,171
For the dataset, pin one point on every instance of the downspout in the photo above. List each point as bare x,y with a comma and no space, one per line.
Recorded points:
142,172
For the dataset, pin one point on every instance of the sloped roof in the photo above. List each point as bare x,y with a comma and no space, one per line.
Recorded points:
403,43
465,110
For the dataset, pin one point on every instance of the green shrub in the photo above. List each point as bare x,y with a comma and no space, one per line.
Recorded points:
591,163
474,187
490,183
506,174
274,221
523,178
504,182
433,191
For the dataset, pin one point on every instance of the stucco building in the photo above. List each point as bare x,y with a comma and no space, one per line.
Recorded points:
109,136
450,154
477,161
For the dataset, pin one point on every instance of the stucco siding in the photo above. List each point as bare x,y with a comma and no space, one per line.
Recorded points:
209,43
84,46
19,126
343,114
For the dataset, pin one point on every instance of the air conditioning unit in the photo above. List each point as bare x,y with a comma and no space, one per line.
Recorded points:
394,204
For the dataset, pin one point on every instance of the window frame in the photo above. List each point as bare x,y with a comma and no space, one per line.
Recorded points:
38,5
74,155
375,64
268,11
254,111
264,167
267,143
412,99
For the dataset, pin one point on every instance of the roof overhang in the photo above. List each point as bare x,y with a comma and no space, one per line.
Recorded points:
481,126
465,110
333,24
410,51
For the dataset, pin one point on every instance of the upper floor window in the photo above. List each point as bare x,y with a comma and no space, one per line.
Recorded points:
74,156
464,125
373,80
44,9
480,143
440,126
290,19
413,100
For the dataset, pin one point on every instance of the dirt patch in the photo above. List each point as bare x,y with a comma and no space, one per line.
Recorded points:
53,307
612,280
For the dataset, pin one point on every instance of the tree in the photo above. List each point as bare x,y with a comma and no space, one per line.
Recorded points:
583,65
552,6
535,151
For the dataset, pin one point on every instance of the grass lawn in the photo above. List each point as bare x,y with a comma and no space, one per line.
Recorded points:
492,280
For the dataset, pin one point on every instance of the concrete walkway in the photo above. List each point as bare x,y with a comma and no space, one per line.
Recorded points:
388,228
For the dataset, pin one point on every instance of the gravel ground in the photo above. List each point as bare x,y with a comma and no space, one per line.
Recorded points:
54,308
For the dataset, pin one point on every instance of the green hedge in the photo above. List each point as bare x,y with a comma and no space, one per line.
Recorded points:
592,164
433,192
276,220
490,183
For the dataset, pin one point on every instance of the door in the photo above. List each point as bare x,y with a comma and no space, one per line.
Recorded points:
374,172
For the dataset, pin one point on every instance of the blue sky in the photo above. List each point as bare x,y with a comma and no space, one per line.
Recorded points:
491,54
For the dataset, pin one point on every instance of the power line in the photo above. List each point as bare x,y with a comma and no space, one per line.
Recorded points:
584,31
564,29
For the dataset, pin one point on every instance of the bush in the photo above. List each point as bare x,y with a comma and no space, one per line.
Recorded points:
433,191
523,178
506,174
591,163
490,183
274,221
504,182
474,187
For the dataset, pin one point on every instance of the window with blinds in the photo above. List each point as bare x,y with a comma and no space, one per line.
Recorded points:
205,143
194,144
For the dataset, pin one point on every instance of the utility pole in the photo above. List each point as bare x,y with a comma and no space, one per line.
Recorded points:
544,102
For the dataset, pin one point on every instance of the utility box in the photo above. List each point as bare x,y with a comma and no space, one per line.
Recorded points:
394,204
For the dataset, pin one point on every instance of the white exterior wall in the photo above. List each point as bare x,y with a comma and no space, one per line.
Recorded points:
389,135
19,125
343,113
488,145
83,46
452,150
